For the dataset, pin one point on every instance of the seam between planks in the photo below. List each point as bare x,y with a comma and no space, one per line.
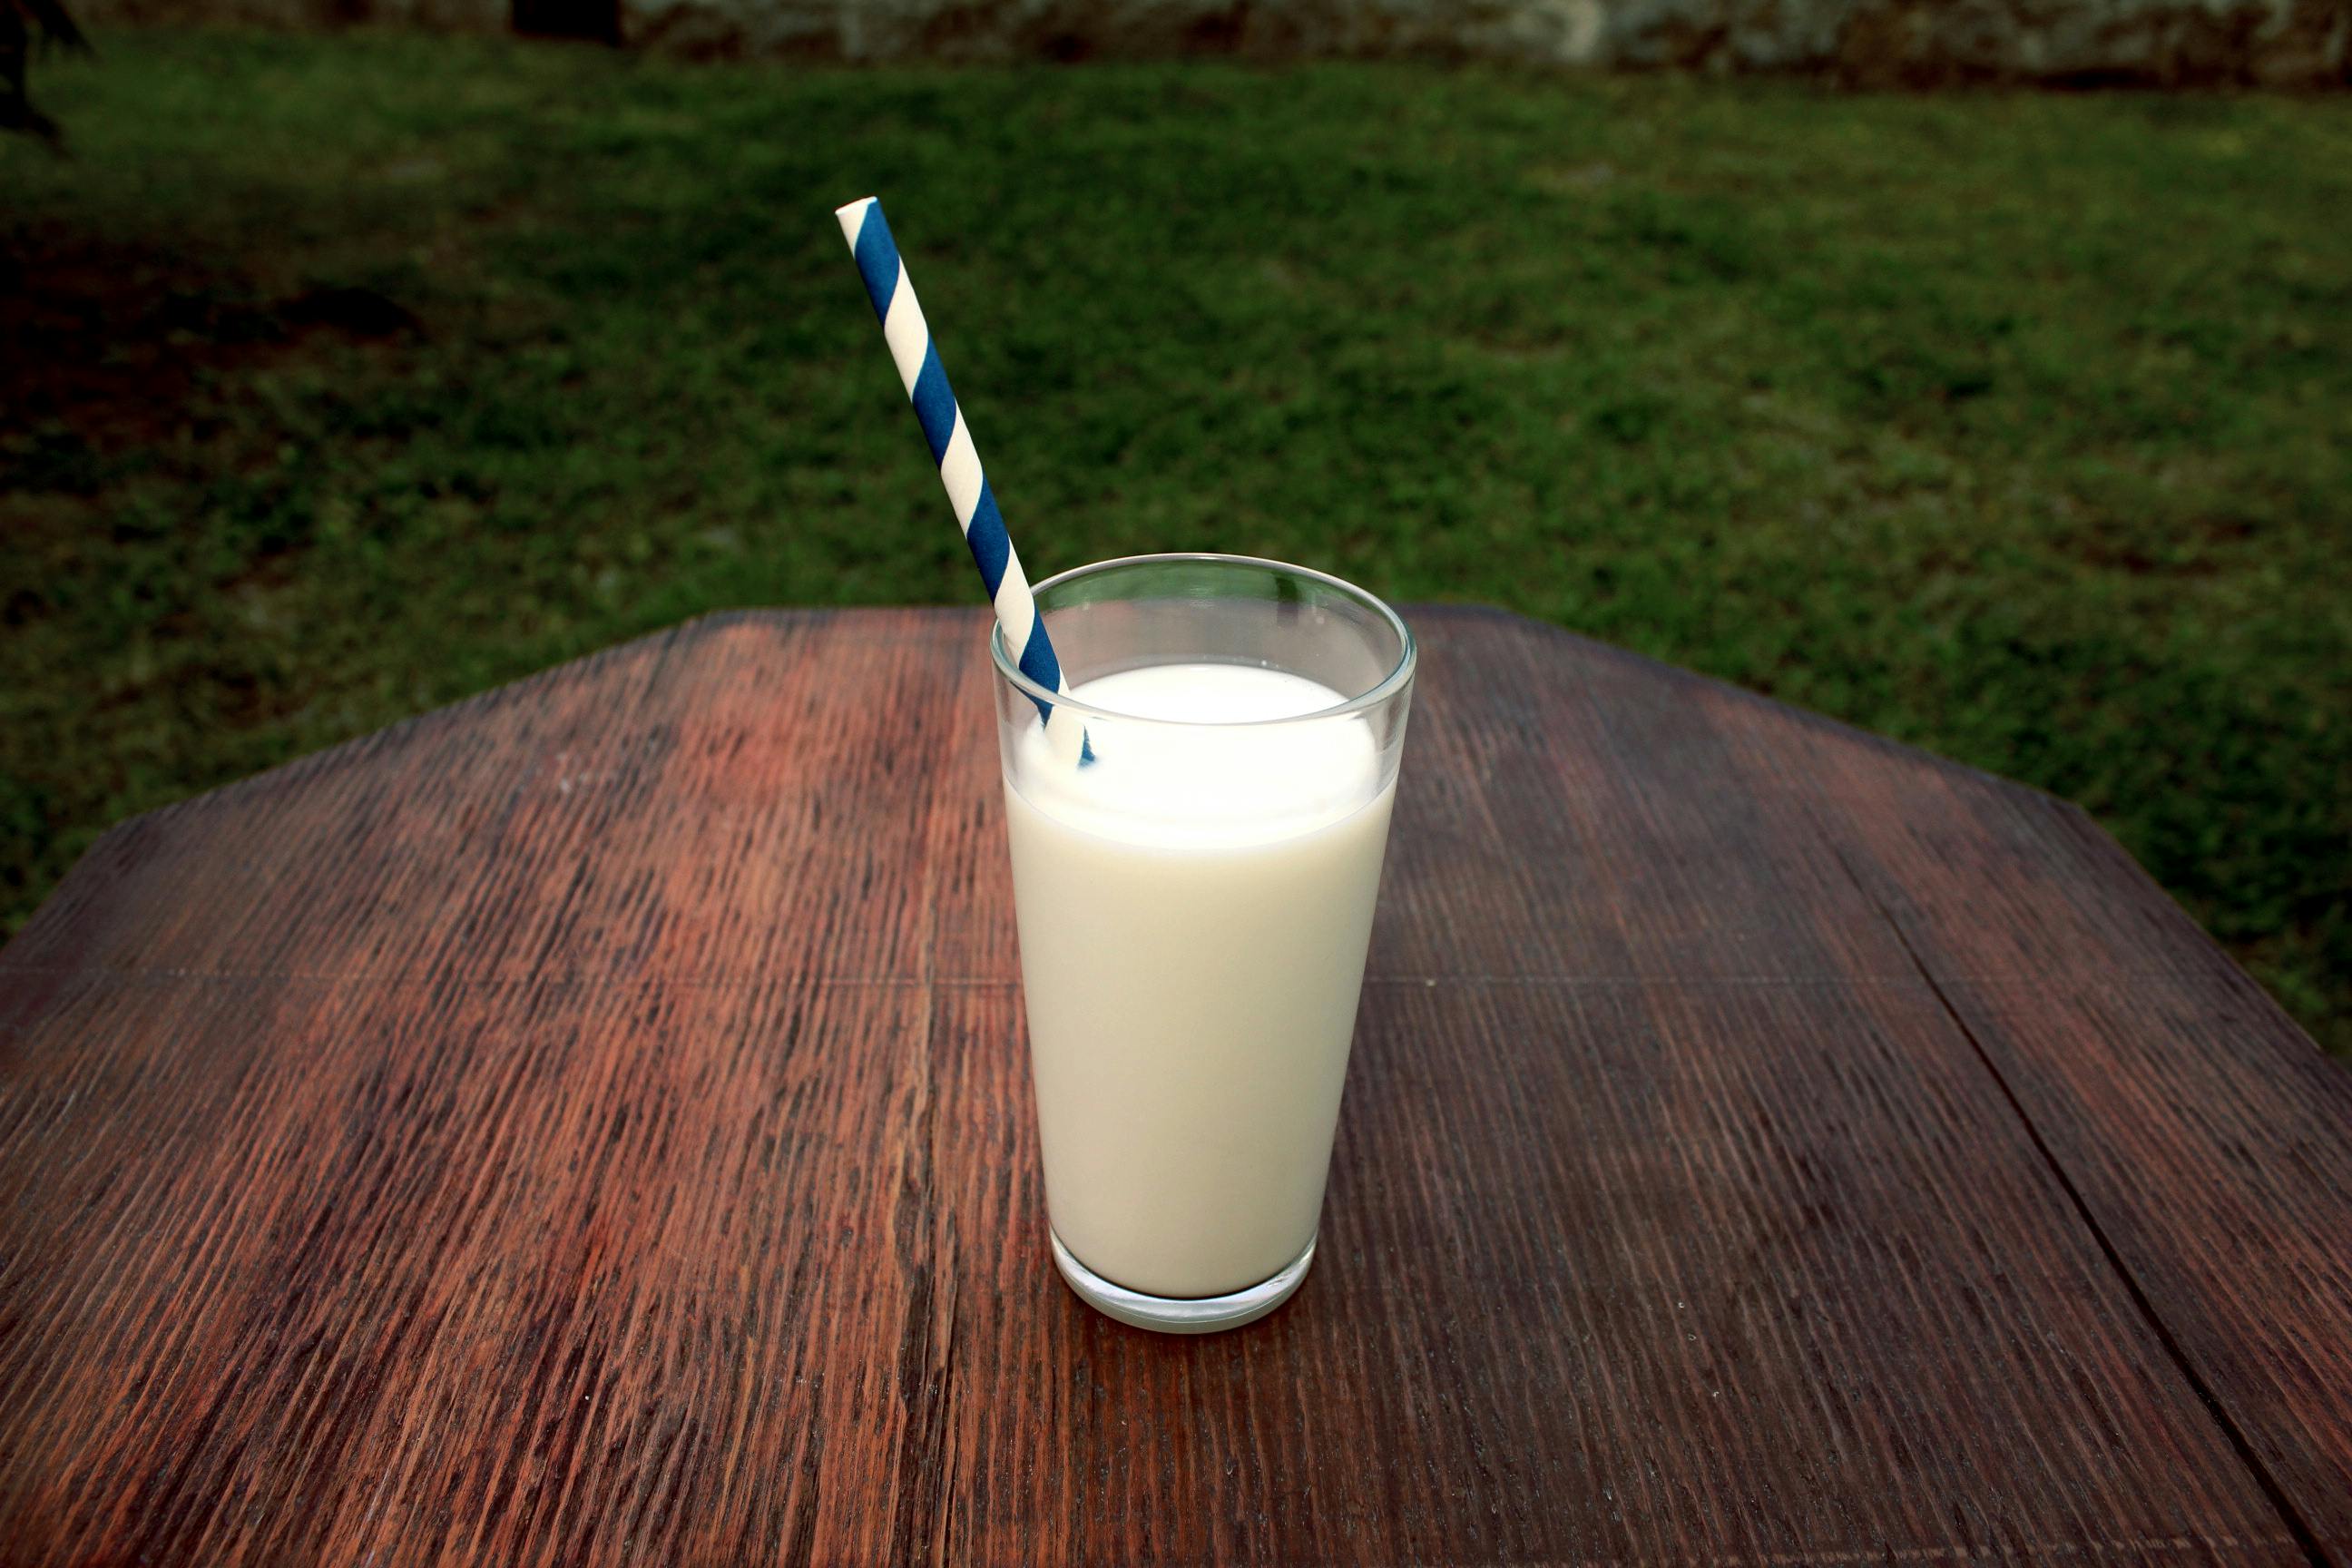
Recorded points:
2140,1547
607,981
2305,1537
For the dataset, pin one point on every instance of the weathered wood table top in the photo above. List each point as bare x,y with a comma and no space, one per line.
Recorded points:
591,1124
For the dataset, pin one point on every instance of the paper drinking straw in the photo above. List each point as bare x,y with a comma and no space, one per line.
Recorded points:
909,337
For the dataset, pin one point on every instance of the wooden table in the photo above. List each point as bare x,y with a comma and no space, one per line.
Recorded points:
591,1124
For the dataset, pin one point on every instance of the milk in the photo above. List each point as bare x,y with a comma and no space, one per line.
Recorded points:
1193,909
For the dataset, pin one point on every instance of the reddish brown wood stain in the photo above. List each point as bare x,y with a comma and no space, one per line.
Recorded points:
590,1124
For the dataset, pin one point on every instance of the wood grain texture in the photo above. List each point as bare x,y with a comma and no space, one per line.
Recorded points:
591,1124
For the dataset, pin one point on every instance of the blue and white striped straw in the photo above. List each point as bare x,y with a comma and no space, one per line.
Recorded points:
909,337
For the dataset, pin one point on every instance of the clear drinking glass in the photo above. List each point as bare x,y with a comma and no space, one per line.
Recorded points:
1194,898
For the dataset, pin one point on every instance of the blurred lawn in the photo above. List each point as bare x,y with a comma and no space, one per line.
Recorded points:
2020,428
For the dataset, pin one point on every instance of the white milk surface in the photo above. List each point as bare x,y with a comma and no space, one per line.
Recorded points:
1193,909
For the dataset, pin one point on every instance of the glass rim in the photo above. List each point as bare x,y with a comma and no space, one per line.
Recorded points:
1398,675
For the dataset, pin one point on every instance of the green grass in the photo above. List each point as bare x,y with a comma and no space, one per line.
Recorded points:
2019,427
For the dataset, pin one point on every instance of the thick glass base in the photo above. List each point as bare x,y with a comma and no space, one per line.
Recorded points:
1186,1315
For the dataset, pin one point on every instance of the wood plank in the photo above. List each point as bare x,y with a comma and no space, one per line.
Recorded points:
2205,1138
591,1124
508,1273
1660,1292
720,815
1572,812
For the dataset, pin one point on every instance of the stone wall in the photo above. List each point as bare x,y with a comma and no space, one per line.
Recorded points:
1870,42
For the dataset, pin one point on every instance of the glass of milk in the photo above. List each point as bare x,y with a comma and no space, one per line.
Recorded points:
1195,901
